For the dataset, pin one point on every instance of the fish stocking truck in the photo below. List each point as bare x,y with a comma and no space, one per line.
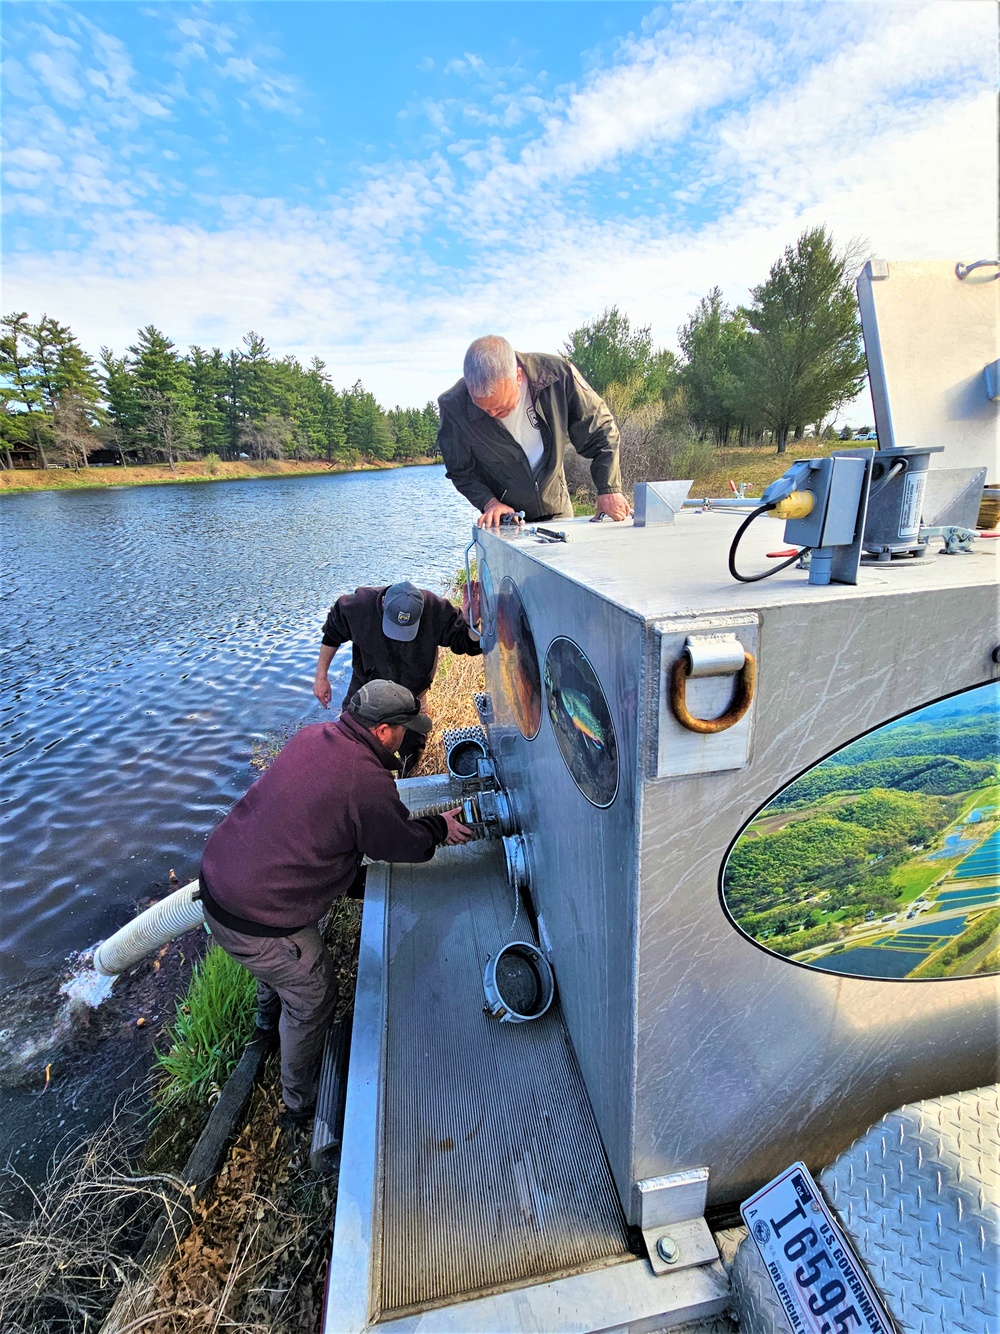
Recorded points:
700,1032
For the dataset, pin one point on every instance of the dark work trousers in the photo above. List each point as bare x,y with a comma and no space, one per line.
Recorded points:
411,751
297,971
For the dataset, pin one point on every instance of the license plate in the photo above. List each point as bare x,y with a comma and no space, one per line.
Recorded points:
818,1278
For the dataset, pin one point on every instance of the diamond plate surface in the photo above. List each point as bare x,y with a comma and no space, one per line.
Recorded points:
451,736
919,1196
754,1300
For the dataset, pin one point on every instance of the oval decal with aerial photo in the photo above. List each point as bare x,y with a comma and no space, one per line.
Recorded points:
883,860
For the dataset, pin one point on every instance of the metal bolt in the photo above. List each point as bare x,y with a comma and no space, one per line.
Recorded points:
995,655
668,1250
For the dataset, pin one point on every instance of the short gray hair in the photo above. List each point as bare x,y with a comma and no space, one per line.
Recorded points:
488,361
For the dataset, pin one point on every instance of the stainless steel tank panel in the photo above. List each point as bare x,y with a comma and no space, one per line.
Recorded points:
583,861
930,334
919,1197
697,1047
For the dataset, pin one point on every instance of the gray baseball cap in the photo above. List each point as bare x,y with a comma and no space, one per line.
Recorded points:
402,608
386,702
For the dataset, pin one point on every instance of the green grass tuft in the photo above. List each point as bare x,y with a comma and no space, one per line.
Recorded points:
214,1022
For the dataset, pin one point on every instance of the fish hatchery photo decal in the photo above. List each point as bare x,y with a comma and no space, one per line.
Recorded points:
518,660
883,860
581,721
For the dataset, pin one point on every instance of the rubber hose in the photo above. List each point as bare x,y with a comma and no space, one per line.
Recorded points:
171,917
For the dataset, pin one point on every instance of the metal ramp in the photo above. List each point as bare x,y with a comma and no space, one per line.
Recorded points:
474,1189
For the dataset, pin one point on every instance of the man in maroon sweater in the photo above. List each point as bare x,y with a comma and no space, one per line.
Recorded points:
397,633
293,844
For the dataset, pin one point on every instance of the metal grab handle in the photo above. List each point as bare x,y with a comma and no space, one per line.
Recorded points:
963,270
745,683
468,588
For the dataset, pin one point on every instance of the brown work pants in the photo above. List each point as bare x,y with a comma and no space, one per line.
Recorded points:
298,971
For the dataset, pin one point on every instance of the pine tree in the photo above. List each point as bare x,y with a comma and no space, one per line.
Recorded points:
209,384
713,340
609,351
24,422
367,429
124,411
804,356
163,394
46,374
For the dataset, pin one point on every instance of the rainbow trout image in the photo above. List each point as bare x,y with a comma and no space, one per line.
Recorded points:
581,716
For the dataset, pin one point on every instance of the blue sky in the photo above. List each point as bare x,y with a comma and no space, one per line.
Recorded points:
379,183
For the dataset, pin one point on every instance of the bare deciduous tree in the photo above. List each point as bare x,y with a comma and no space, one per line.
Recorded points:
265,439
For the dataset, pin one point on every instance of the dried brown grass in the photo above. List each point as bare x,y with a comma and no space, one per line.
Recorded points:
449,703
255,1258
65,1246
196,470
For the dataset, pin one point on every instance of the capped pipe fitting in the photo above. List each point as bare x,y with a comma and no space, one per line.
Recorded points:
516,859
518,983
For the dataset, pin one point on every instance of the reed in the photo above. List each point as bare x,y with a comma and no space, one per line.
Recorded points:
214,1022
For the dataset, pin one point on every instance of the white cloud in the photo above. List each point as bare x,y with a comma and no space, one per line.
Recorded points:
57,72
876,120
199,37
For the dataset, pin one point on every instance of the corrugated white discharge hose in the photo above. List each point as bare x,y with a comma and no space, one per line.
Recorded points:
171,917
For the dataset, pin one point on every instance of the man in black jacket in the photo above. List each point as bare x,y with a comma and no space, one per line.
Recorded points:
506,426
397,633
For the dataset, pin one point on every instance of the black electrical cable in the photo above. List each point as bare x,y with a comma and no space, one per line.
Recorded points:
753,578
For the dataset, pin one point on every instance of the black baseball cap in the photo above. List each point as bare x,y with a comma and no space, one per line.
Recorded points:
386,702
402,608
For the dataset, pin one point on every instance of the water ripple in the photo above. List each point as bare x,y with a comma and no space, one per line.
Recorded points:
164,631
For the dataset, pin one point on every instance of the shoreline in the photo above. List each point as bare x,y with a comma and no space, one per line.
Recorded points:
22,481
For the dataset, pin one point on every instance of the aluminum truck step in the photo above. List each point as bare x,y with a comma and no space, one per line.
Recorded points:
324,1152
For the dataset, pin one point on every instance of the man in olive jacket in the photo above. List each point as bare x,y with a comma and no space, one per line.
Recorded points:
506,426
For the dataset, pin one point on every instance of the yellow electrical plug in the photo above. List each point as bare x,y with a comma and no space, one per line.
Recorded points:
798,505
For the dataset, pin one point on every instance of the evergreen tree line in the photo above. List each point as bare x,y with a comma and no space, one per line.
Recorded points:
154,403
789,359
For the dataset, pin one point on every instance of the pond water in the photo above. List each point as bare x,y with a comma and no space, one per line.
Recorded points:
151,637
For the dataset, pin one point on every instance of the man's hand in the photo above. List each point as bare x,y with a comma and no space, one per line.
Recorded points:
321,681
615,506
457,831
493,513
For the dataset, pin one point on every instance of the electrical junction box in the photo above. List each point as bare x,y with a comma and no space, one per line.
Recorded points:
836,483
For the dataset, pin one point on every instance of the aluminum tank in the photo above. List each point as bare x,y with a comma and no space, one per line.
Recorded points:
700,1044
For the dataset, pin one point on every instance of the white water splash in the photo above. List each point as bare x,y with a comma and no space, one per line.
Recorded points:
39,1025
87,987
